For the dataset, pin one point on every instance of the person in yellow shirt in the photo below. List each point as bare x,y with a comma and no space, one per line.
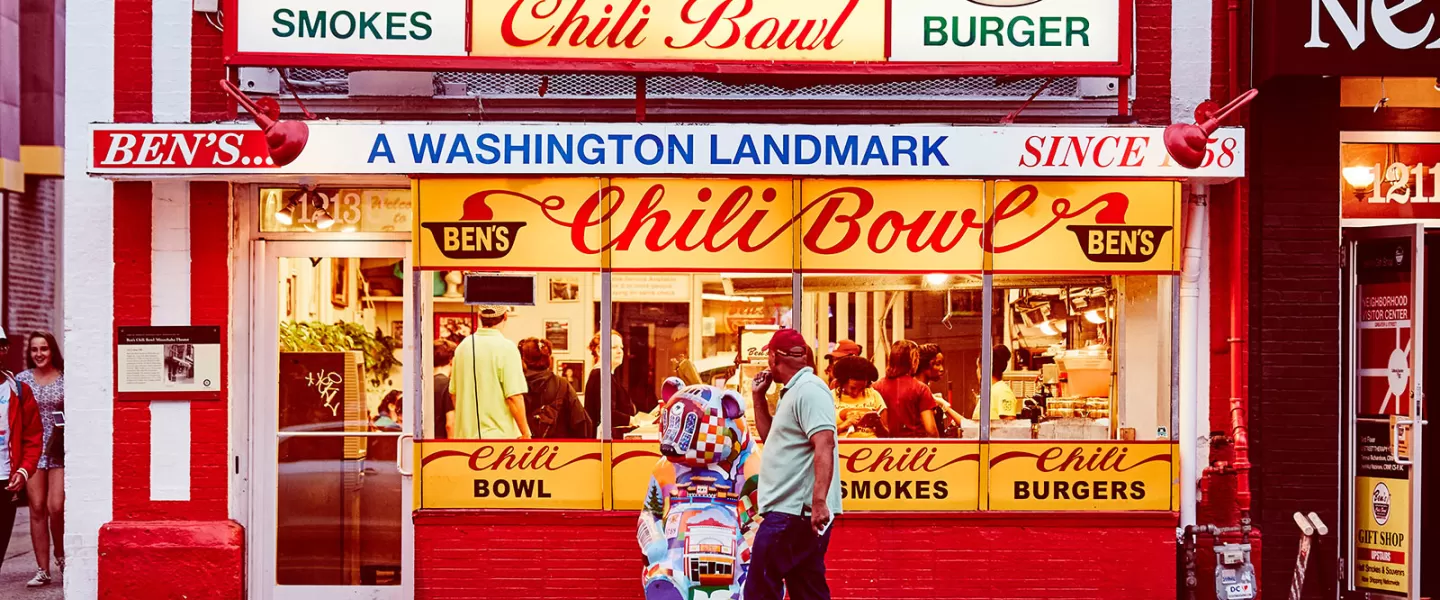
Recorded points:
487,382
857,405
1003,404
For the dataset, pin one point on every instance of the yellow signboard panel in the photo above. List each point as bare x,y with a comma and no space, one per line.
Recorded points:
919,225
693,30
509,224
509,474
1089,226
1080,476
940,475
876,476
691,225
1382,543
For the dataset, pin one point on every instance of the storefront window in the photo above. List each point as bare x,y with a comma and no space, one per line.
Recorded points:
335,210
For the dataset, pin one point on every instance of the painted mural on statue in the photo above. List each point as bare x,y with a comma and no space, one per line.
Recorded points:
700,514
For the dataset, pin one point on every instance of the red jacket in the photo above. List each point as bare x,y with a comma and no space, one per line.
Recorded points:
25,429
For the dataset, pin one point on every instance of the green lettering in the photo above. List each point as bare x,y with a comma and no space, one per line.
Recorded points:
991,26
1077,26
391,24
283,18
421,24
1027,35
935,26
1049,26
369,23
955,30
312,29
335,24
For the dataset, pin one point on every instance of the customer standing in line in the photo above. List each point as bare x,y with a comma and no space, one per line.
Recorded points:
909,405
799,481
622,404
22,440
487,382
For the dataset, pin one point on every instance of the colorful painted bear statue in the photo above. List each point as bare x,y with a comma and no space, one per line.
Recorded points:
700,514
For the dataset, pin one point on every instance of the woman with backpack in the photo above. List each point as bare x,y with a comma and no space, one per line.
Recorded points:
21,445
551,406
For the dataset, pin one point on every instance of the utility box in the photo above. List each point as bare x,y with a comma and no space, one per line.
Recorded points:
1234,575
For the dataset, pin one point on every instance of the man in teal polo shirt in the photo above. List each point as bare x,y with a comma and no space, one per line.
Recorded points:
799,484
487,383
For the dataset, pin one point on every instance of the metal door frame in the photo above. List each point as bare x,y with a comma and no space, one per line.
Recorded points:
1350,235
264,365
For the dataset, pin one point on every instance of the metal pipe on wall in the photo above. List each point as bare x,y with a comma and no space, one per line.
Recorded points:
1190,385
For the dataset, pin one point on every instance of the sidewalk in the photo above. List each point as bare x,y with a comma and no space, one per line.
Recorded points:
20,566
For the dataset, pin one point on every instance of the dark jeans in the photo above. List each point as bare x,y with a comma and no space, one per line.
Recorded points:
9,501
787,554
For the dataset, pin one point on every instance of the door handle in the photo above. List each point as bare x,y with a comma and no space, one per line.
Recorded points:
1401,428
400,453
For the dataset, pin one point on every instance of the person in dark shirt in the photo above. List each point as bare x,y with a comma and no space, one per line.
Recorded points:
622,407
444,353
909,407
551,406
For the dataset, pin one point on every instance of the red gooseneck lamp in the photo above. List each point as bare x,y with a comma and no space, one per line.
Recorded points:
285,138
1186,142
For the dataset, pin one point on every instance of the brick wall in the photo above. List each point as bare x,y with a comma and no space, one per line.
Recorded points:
1152,62
567,555
31,261
1295,319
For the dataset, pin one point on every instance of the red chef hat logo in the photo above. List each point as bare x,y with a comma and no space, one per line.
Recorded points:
475,208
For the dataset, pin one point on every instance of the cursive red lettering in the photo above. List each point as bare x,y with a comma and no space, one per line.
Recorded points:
508,24
1100,147
1134,148
709,22
1033,144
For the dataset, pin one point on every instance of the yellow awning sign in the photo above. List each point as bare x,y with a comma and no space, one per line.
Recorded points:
839,225
1101,476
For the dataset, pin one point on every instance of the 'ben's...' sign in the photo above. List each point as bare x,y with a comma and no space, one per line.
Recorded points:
875,37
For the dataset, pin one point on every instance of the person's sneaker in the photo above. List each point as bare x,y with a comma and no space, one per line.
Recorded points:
41,578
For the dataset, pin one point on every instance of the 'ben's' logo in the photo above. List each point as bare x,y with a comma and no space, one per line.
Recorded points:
476,235
1119,243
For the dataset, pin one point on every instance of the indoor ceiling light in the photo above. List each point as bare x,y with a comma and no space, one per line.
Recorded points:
936,279
1094,316
1360,178
1048,328
729,298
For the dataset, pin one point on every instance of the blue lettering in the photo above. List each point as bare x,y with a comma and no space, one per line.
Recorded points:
640,148
427,148
780,147
933,149
801,157
460,148
485,150
620,139
904,145
511,148
566,150
596,145
685,152
835,154
747,150
875,150
715,157
381,147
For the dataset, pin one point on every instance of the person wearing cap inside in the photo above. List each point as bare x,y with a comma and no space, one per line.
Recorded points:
799,482
487,383
20,438
843,348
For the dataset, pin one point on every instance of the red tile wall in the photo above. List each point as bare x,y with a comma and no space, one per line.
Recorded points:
558,555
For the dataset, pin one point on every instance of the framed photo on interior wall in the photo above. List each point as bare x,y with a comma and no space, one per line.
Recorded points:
573,372
454,326
564,289
292,303
340,282
557,332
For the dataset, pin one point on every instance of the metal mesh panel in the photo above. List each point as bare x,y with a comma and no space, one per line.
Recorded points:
524,85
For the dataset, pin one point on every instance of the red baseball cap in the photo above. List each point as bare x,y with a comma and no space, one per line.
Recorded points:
845,348
786,339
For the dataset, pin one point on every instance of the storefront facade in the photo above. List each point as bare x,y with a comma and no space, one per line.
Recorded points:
296,444
1343,141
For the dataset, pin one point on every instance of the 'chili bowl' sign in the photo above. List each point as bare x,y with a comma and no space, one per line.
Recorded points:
509,474
699,225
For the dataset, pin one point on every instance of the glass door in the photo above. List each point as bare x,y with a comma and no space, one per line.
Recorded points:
329,430
1385,376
